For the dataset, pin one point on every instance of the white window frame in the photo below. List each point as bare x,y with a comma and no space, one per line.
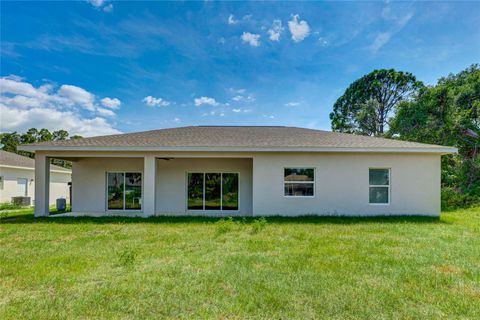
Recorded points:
203,192
381,185
124,185
300,182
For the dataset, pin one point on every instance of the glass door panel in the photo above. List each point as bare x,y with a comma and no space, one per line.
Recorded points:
115,182
212,191
133,191
195,191
230,191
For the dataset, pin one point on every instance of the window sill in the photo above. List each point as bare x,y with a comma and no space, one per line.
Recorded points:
299,197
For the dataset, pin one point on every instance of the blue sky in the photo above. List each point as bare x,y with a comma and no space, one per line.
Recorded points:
103,67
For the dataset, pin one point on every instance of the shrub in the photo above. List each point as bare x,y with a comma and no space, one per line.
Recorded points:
258,225
225,225
452,199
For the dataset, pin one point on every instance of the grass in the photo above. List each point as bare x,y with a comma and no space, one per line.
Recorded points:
275,268
10,206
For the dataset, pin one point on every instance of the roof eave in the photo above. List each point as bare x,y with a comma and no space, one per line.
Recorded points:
439,149
31,168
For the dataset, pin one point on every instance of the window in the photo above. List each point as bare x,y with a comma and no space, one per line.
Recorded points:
379,186
299,182
1,182
124,191
212,191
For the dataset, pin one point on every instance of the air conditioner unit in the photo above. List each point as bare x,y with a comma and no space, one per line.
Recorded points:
21,201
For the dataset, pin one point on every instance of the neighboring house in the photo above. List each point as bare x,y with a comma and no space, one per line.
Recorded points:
17,178
222,170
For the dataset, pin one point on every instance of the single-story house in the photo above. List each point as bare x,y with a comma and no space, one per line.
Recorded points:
245,171
17,179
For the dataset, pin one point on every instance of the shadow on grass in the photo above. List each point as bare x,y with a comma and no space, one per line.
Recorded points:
29,218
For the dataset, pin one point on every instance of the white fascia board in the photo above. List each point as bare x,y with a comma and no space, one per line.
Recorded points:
441,150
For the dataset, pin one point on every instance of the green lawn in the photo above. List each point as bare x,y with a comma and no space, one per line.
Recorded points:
305,268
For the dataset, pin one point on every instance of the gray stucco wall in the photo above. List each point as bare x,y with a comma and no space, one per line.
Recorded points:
171,182
342,184
89,180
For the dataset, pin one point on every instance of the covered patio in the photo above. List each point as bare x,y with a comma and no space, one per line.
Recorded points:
137,184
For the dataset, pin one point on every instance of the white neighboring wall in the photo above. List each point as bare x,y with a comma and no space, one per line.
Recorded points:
58,184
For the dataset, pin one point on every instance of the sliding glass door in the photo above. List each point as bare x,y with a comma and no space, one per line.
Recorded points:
212,191
124,191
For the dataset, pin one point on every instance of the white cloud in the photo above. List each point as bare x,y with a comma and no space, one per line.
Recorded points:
231,19
396,24
23,106
299,29
108,8
7,84
45,87
96,3
380,41
101,5
241,95
292,104
275,30
245,98
111,103
404,20
156,102
205,100
323,41
22,120
78,96
251,38
105,112
241,91
21,101
13,77
241,110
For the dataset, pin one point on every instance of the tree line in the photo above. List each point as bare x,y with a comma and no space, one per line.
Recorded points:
10,141
394,104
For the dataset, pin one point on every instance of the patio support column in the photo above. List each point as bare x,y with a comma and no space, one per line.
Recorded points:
149,179
42,185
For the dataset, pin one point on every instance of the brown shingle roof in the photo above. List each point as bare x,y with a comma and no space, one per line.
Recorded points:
16,160
231,137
